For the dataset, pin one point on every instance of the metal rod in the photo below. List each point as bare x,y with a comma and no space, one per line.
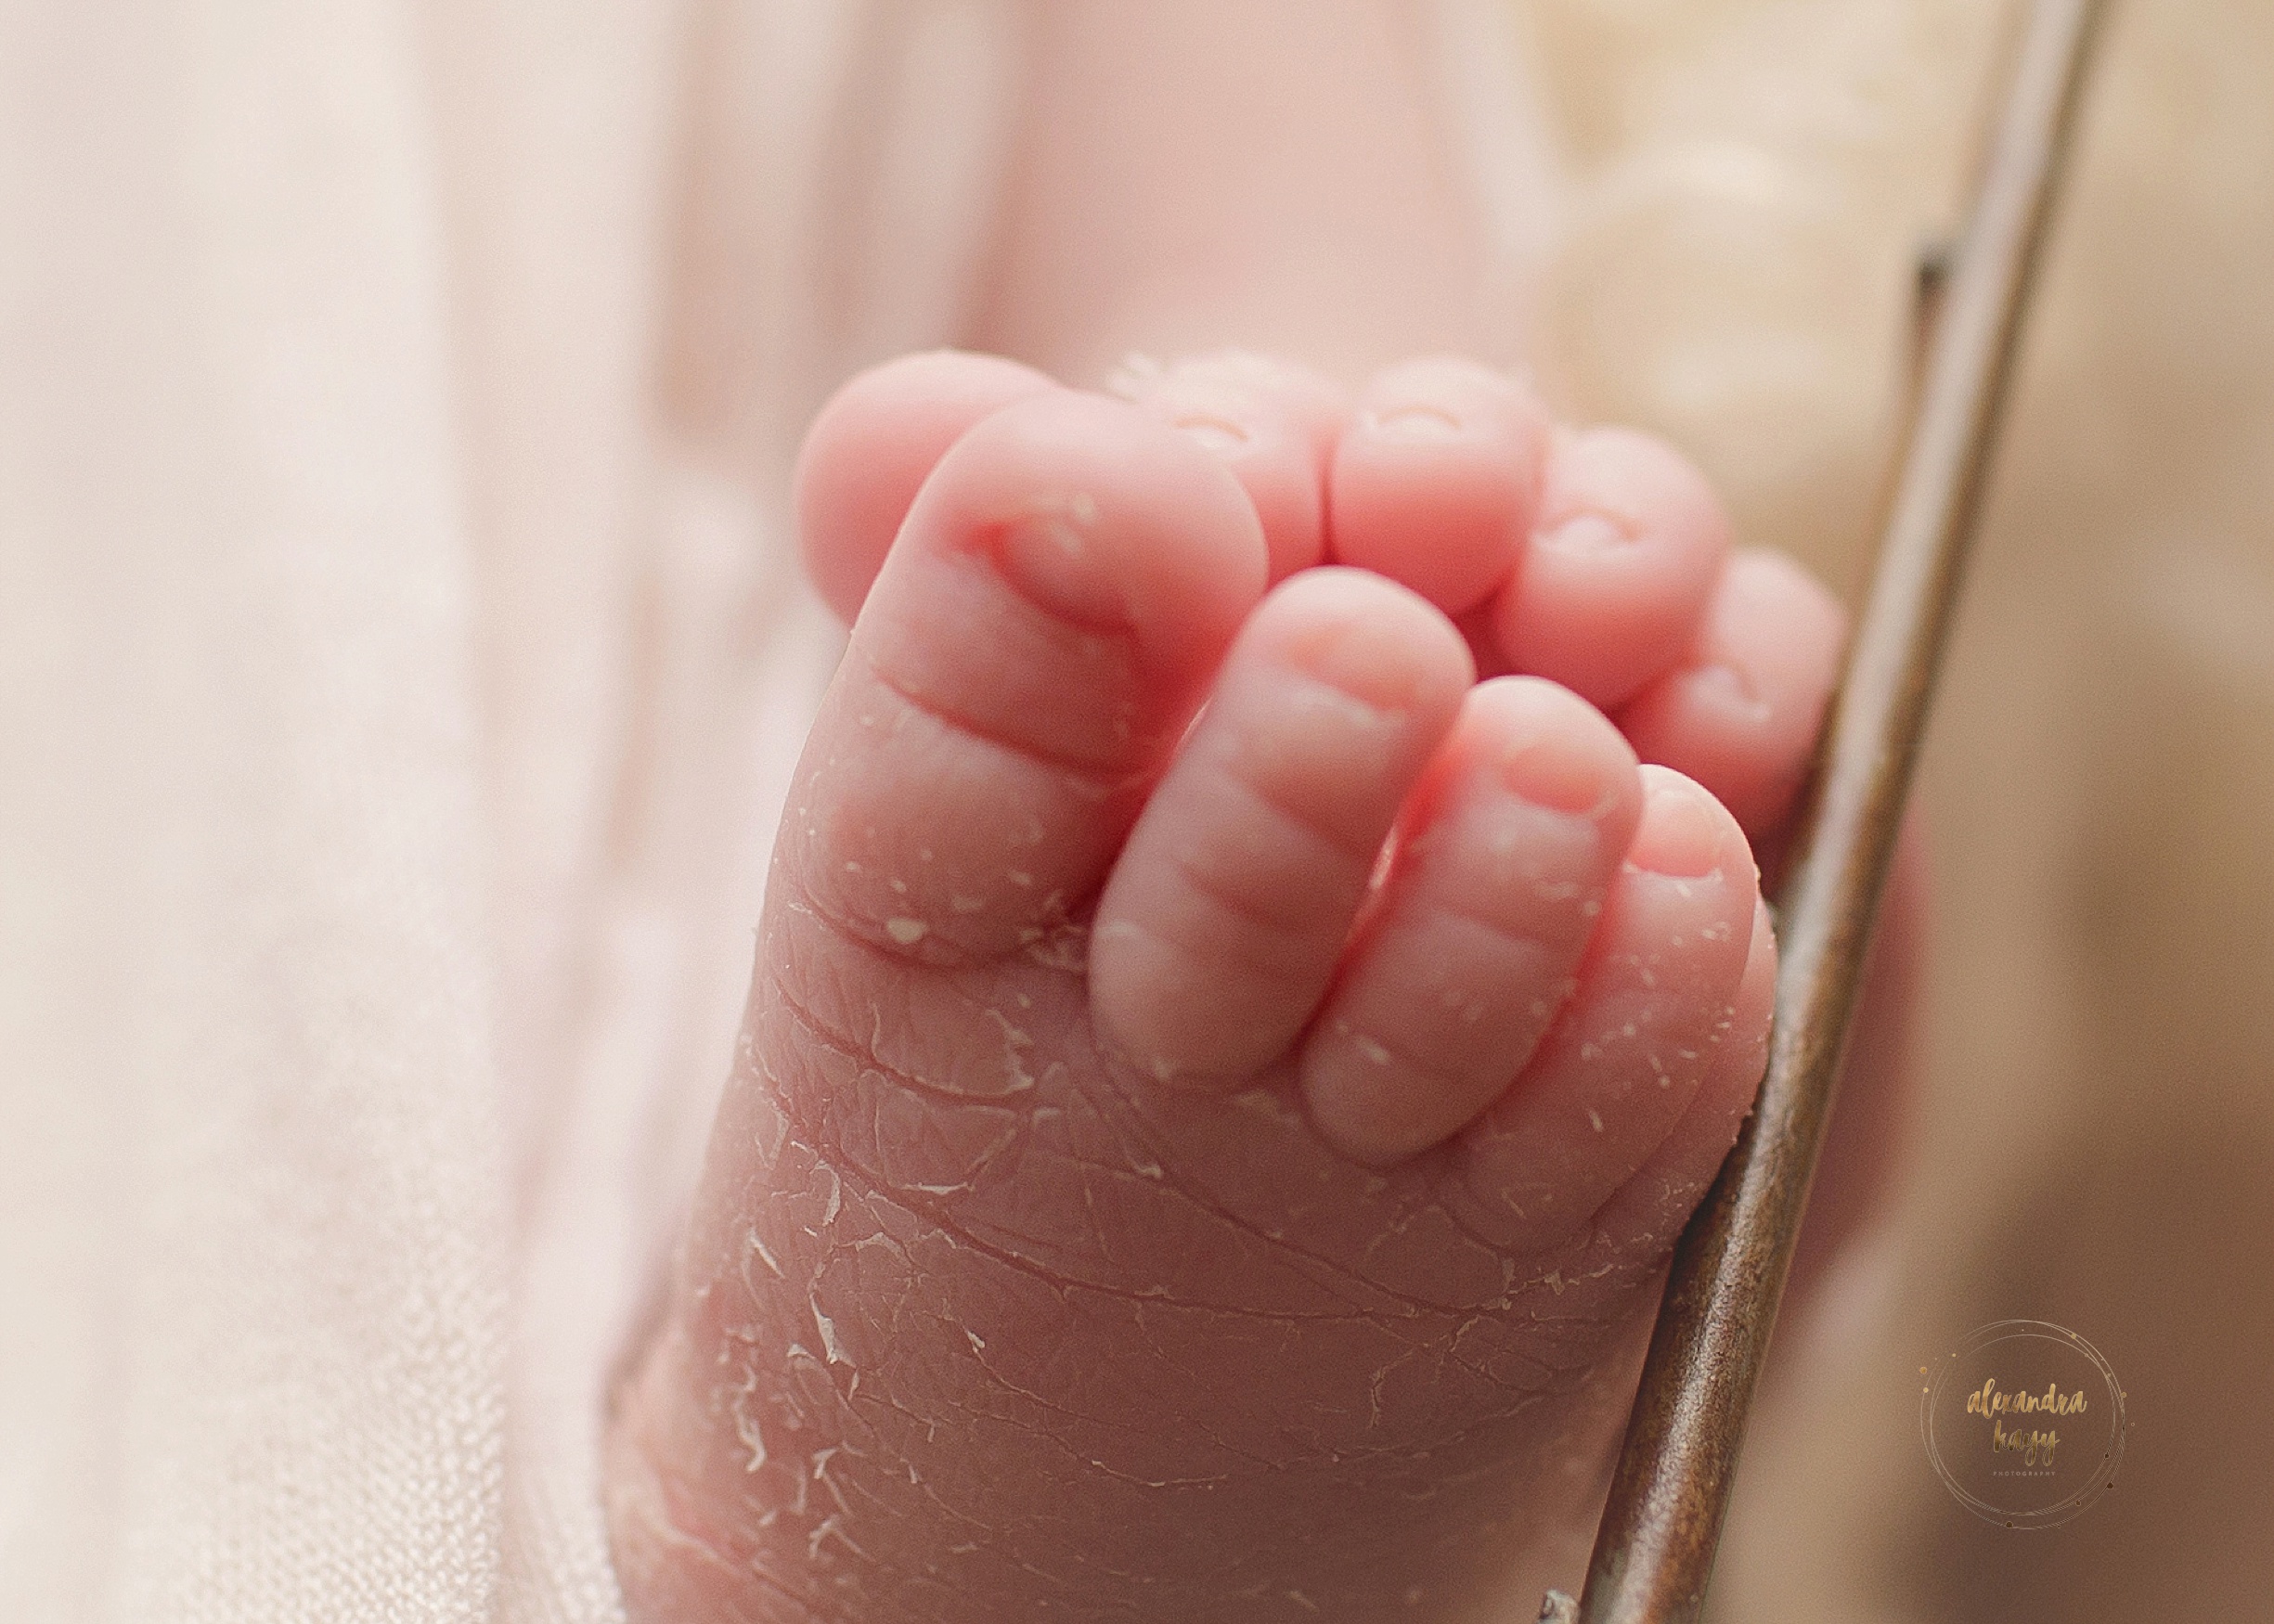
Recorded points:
1654,1551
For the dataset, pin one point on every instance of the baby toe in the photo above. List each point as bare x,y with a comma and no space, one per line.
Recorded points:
1627,543
1221,927
873,447
1272,424
1644,1033
1740,713
1035,645
1437,478
1505,854
1651,1208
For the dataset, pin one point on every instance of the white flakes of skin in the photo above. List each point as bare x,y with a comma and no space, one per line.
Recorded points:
821,1476
905,930
1015,1039
832,1526
773,1131
746,1430
766,1257
828,1328
837,1197
978,1343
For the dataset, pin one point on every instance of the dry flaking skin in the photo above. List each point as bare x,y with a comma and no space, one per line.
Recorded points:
1115,1212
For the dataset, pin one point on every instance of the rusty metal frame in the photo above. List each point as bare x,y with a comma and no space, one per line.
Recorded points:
1654,1550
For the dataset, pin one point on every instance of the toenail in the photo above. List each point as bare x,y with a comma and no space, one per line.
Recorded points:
1587,532
1214,433
1054,563
1415,422
1681,832
1559,779
1731,687
1136,374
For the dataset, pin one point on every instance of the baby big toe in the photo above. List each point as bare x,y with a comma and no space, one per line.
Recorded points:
872,448
1061,594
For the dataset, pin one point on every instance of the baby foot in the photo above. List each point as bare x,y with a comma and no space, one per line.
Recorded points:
1206,1163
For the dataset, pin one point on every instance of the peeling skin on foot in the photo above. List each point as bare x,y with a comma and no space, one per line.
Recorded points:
876,1239
971,1269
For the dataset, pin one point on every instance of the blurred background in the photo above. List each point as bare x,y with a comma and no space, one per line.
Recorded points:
2094,1142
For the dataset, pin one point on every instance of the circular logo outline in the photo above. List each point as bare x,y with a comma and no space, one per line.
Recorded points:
2099,1482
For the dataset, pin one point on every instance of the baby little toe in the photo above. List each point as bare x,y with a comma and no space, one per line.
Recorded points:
1644,1033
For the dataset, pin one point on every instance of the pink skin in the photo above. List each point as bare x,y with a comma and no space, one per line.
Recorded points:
1136,1199
856,484
1436,479
1625,552
1272,425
